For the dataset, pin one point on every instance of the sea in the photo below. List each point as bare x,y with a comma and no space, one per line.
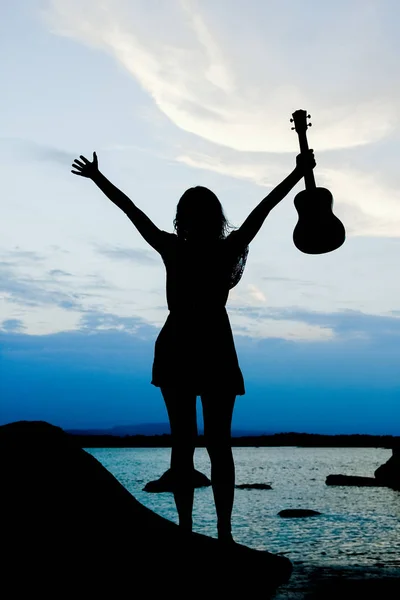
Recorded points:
359,526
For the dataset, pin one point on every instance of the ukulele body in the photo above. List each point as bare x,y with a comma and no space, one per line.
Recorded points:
318,230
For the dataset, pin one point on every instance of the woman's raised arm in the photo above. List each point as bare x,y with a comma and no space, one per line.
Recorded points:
150,232
251,226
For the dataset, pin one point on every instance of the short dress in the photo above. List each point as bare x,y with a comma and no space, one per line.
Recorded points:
195,349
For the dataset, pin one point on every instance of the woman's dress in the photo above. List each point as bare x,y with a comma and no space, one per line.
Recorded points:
195,347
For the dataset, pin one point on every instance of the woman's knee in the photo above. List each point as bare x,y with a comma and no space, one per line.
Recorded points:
182,460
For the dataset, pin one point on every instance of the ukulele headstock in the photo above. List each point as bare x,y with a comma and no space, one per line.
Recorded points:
299,118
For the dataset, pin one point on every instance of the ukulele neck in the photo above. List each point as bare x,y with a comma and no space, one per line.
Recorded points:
308,175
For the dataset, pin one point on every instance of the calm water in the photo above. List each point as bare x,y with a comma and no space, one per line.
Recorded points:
359,526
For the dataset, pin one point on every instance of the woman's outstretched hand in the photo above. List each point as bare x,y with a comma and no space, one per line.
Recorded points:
305,162
84,167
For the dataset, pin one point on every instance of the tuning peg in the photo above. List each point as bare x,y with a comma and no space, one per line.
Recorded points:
308,116
310,124
291,120
293,128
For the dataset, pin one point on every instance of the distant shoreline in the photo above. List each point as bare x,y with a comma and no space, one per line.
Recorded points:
304,440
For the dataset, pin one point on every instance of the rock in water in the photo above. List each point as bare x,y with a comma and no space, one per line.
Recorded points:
353,480
389,473
253,486
166,482
298,512
70,528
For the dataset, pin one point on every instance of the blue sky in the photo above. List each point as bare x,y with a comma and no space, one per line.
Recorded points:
182,93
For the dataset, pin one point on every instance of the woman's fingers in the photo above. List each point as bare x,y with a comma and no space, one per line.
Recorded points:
83,167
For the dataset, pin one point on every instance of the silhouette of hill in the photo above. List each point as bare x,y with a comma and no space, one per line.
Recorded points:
122,430
152,429
306,440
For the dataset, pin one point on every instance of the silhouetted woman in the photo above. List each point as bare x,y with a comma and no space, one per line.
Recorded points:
195,352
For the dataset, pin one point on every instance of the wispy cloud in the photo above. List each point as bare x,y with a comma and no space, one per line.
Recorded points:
369,205
368,199
59,273
12,325
131,254
241,166
293,280
342,324
17,255
188,66
93,320
29,150
256,293
26,290
234,84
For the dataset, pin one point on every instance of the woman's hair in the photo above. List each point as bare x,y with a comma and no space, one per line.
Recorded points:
200,211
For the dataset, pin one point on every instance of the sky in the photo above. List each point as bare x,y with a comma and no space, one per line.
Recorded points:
177,93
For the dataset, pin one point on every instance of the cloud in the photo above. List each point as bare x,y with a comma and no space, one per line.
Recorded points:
94,321
29,291
84,350
255,293
59,273
367,200
381,332
17,255
264,173
131,254
29,150
346,324
233,87
239,90
369,205
249,318
293,280
12,325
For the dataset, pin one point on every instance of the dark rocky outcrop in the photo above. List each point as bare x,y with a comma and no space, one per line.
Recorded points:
70,528
298,513
166,482
389,473
353,480
254,486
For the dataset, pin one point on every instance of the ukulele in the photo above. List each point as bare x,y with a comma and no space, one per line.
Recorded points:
318,230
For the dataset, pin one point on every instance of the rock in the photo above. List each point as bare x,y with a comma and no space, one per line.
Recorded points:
70,528
298,512
253,486
352,480
389,473
166,482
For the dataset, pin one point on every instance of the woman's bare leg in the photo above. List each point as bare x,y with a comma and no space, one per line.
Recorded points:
217,412
181,407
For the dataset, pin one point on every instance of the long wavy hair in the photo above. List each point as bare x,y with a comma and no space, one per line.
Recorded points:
200,211
199,214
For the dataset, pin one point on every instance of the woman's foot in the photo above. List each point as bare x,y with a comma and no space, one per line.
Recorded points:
186,525
225,536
